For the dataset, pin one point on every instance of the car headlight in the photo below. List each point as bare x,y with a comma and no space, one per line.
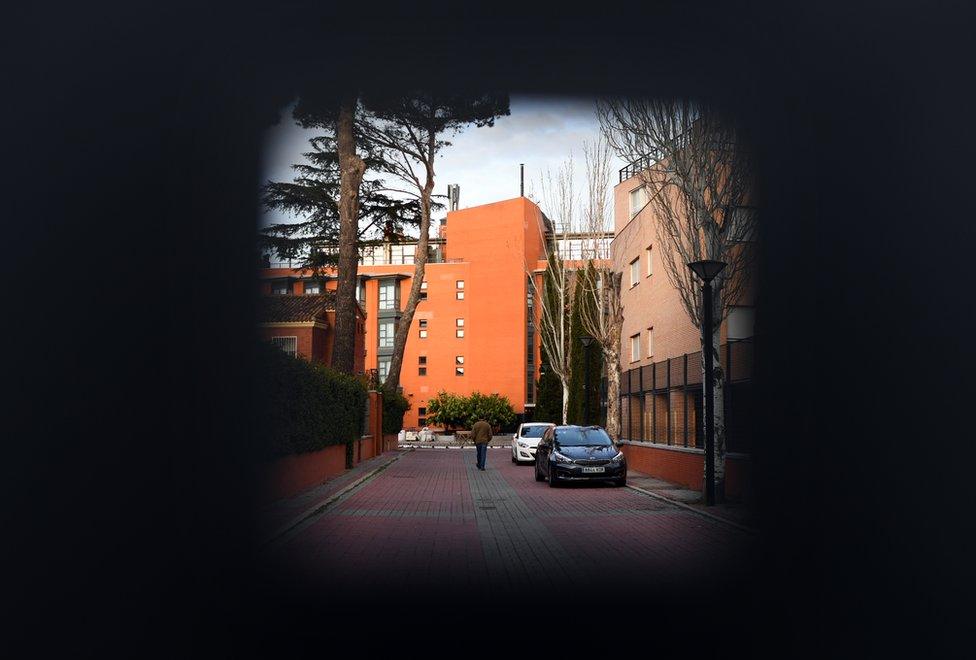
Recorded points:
560,458
619,457
522,444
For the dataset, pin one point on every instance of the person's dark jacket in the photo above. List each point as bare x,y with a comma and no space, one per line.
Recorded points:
481,432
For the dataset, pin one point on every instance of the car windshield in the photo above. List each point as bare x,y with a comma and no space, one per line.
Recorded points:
583,437
533,431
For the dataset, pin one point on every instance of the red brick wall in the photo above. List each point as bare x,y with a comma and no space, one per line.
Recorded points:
291,475
304,334
687,468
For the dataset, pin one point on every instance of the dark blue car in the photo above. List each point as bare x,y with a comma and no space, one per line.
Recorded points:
579,453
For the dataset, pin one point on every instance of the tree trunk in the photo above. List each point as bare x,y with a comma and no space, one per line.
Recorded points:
612,359
565,384
351,168
420,264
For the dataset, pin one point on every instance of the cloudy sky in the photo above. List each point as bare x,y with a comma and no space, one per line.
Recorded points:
541,132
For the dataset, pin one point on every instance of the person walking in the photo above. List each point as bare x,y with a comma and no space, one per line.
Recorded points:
480,436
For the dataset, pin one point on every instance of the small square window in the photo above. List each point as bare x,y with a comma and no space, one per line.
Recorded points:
458,371
421,371
459,323
459,333
422,359
423,323
458,359
460,284
459,295
312,288
422,412
423,334
279,288
423,286
423,295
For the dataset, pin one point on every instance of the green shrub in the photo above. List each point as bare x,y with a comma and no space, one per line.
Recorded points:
395,405
456,411
302,406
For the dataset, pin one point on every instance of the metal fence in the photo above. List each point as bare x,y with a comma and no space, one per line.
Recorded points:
662,402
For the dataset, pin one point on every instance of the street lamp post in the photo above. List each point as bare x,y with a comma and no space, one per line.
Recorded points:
586,340
707,270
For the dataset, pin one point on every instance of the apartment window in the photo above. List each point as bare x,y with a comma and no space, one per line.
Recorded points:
650,342
422,416
422,359
635,272
460,284
741,321
458,371
650,261
421,371
423,334
638,200
458,359
423,323
388,295
423,286
361,292
459,295
635,348
459,323
287,344
279,288
312,288
423,295
383,369
387,332
459,333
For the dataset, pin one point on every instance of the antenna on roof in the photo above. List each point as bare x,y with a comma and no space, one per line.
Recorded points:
453,196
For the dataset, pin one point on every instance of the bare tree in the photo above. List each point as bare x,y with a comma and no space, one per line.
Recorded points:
699,178
555,291
604,317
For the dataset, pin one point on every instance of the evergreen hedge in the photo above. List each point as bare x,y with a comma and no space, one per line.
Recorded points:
395,405
302,406
454,411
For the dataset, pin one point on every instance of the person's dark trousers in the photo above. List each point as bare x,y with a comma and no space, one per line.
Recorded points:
482,454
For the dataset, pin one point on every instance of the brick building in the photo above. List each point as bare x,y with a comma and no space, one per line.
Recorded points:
302,323
660,360
475,326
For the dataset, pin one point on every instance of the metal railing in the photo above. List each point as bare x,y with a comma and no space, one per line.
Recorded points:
662,402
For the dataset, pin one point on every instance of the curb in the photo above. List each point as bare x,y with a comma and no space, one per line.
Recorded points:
711,516
319,507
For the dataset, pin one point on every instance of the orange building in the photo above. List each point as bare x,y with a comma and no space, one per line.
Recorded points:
474,328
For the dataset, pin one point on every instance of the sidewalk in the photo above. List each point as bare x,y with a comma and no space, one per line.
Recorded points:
277,516
739,513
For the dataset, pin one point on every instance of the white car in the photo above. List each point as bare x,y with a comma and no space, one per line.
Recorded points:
526,439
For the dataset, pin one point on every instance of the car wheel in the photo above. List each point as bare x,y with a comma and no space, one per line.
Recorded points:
538,475
514,460
553,482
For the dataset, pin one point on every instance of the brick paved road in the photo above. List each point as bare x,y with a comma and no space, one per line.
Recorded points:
433,525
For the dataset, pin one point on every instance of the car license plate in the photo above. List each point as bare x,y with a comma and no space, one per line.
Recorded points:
594,469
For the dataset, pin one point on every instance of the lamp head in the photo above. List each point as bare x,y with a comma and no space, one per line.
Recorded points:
707,269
